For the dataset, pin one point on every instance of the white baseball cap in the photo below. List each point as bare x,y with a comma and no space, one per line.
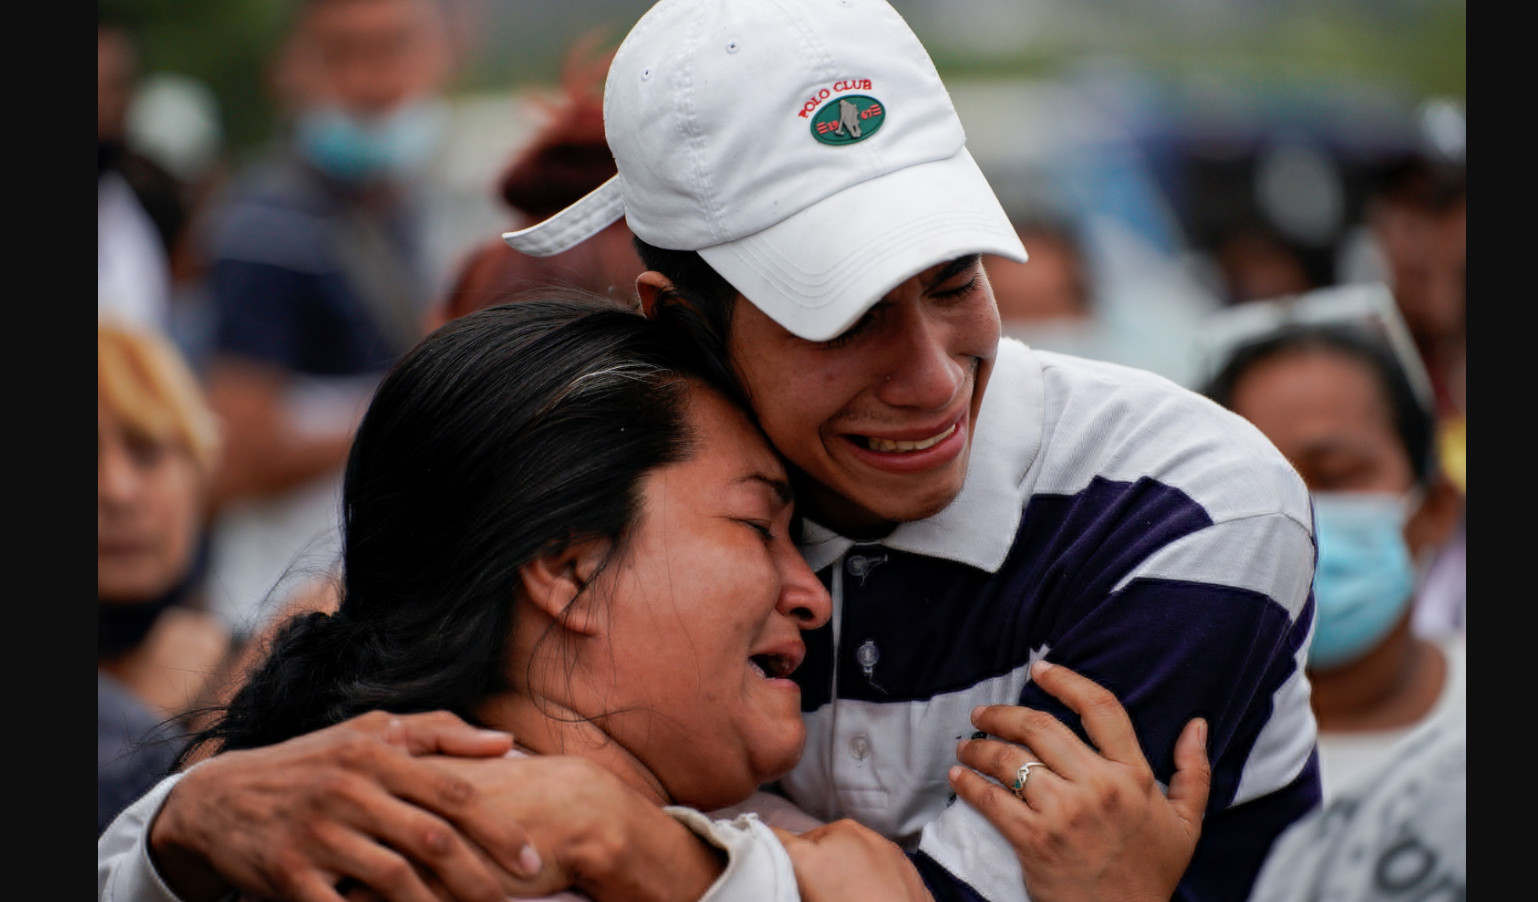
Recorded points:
805,148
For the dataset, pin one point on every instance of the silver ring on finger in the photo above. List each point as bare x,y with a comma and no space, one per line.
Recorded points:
1021,775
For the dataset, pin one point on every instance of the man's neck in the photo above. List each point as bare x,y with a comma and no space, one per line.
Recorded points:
839,514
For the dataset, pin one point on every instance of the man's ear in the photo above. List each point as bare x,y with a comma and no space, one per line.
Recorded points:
553,582
650,285
1432,523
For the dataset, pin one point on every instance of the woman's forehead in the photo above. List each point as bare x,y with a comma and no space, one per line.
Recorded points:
727,439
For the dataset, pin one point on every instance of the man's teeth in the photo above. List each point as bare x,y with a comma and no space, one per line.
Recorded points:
881,444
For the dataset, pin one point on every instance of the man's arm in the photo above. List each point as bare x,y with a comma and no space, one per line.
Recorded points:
294,819
424,807
281,318
418,808
264,451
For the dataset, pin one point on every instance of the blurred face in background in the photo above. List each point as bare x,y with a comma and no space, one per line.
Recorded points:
1327,415
149,497
1427,254
1050,286
367,57
361,79
114,81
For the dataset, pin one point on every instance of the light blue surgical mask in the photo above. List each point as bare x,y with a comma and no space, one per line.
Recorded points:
1365,576
357,149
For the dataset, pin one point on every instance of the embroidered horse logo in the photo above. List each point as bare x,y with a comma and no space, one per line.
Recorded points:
848,118
854,118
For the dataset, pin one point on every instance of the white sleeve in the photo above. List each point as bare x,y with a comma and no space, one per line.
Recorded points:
124,872
758,868
965,843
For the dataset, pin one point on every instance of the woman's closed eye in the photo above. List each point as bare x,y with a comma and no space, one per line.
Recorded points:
764,528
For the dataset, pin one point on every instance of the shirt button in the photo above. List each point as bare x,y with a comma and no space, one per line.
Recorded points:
859,748
867,654
859,566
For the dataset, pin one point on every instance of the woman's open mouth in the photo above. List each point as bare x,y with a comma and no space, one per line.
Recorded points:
775,665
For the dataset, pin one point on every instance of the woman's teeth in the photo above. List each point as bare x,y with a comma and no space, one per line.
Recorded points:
770,666
881,444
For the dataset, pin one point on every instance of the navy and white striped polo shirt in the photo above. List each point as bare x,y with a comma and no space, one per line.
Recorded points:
1112,522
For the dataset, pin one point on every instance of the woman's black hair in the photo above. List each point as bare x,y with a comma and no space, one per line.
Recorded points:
1413,420
508,434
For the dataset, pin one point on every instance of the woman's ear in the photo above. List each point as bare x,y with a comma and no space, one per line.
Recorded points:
552,584
649,286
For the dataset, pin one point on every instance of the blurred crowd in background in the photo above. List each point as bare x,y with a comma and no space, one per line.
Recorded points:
264,282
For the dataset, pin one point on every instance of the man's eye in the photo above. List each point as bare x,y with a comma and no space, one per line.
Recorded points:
849,334
959,291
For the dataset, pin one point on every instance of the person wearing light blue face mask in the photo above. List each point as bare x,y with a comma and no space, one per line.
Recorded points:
1340,408
360,81
358,149
1365,578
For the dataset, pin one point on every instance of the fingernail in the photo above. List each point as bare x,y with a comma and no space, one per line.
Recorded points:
961,745
1043,665
529,860
1201,733
978,712
954,773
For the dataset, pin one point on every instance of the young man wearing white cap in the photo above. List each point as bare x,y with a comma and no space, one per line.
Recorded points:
803,196
801,189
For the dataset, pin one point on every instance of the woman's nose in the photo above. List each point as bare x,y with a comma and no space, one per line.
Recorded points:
802,595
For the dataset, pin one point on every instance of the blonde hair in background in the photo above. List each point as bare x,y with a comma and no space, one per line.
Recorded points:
143,379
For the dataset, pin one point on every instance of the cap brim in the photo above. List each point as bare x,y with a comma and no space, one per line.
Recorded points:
818,271
582,220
